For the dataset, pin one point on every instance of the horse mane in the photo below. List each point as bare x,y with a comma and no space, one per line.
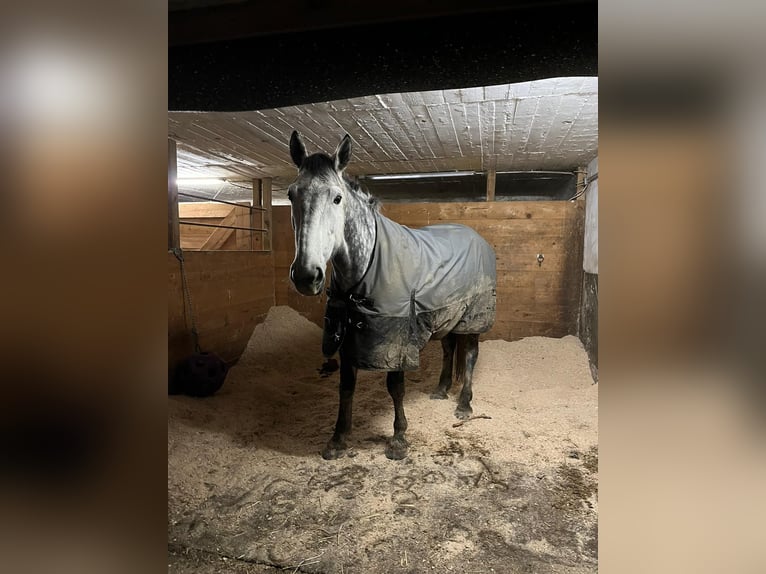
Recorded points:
353,184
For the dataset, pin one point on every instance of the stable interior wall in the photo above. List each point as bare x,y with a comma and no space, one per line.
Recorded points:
533,298
231,292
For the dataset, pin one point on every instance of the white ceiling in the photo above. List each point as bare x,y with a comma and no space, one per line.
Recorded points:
549,124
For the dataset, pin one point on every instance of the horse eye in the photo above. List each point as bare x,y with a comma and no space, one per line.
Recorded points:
337,199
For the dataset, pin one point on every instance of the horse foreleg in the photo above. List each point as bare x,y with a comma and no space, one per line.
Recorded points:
337,444
445,379
468,352
396,448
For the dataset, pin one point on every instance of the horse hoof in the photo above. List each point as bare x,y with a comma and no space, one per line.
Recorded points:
396,449
439,395
333,451
463,413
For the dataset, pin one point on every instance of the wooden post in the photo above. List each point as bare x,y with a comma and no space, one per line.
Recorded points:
174,233
581,181
491,185
266,203
256,203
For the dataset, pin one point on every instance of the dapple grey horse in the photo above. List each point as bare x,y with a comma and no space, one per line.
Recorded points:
392,288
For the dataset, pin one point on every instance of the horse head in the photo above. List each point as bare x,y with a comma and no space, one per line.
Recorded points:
317,198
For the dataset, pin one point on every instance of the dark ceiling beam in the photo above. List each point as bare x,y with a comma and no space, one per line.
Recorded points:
516,44
216,23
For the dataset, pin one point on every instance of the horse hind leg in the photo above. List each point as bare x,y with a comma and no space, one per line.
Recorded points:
445,379
396,449
336,446
467,353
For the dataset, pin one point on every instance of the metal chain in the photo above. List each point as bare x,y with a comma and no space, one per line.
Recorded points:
178,252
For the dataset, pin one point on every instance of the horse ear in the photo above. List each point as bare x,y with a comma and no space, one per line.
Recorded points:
297,149
343,153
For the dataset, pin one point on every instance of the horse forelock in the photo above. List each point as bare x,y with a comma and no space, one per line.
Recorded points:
318,164
321,166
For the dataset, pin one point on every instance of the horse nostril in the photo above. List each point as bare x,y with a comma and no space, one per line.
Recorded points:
309,276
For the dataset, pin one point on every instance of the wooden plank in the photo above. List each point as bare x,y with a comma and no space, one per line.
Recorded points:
491,176
418,147
220,235
542,122
386,147
505,112
518,126
242,237
206,220
231,292
530,280
256,201
203,210
443,123
174,235
193,237
364,144
402,212
315,133
266,215
486,123
211,139
463,130
240,285
213,262
214,297
513,262
531,295
428,129
572,275
498,232
229,317
209,265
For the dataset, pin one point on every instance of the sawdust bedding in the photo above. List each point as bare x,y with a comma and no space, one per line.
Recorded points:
515,491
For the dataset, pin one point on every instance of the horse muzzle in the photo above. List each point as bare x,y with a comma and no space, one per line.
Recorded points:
307,281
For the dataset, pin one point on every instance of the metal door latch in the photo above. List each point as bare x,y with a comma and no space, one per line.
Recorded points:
540,259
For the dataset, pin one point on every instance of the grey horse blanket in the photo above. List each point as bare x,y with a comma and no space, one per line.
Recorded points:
421,284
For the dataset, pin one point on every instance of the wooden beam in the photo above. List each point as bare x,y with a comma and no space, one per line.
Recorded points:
174,234
256,201
200,210
265,202
491,185
220,235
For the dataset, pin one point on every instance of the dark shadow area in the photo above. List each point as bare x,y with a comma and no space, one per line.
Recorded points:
512,44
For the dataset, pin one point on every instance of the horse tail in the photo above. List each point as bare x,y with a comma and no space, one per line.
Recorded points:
460,356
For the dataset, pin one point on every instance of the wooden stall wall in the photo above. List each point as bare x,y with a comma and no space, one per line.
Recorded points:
532,298
195,238
232,291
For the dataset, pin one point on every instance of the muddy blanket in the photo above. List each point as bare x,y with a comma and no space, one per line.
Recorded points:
421,284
